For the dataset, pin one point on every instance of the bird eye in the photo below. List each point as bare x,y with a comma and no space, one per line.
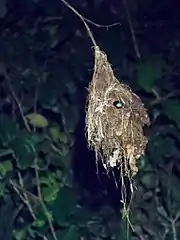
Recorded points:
118,104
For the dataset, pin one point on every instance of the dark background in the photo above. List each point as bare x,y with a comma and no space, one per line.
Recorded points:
50,184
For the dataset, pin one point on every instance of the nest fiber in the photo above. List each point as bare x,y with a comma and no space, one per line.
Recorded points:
115,117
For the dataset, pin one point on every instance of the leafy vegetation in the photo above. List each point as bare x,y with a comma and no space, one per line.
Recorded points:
49,187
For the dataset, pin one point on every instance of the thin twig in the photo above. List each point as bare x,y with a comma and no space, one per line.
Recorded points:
159,99
18,103
83,20
36,169
26,197
173,226
48,217
42,203
136,48
87,20
19,188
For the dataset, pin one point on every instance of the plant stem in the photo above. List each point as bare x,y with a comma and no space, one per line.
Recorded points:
83,20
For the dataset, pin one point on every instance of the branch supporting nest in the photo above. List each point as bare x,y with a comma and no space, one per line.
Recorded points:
115,117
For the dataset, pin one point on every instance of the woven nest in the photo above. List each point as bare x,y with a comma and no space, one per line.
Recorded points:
115,117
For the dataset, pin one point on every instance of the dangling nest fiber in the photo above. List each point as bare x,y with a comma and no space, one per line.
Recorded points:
114,119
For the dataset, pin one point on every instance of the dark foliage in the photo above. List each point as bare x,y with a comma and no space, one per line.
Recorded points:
49,184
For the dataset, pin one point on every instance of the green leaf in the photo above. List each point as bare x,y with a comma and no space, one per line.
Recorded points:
54,133
63,138
49,180
8,130
5,167
50,193
174,188
149,71
57,135
172,110
71,234
20,234
37,120
124,231
41,216
50,188
70,117
38,223
82,215
170,191
64,204
2,188
24,150
97,228
5,152
148,180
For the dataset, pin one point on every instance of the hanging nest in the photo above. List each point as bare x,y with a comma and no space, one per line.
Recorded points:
115,117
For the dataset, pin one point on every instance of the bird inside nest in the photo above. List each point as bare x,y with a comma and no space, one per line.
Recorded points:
122,120
128,117
115,119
